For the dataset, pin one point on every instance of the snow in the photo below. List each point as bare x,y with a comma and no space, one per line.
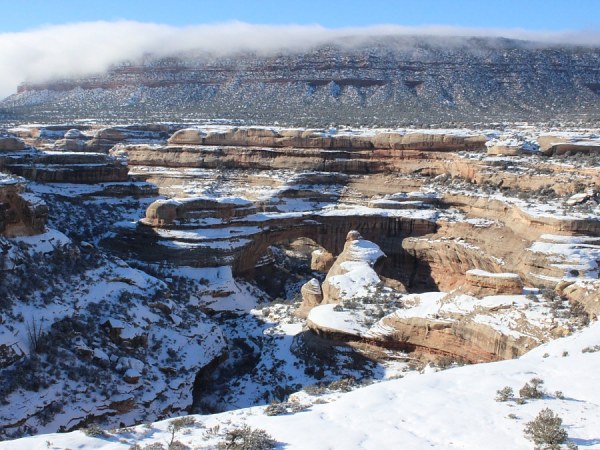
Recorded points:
454,408
347,321
484,273
580,253
7,179
45,242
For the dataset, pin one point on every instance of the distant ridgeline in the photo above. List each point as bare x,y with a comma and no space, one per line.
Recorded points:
387,81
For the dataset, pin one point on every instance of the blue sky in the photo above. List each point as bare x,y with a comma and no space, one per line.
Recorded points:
550,15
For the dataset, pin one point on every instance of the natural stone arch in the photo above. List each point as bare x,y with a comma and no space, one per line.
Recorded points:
330,233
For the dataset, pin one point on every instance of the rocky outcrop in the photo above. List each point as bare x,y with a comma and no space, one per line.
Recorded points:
11,143
462,339
353,270
65,167
20,214
559,144
529,223
443,263
301,138
169,212
321,260
481,283
106,138
70,145
585,292
312,296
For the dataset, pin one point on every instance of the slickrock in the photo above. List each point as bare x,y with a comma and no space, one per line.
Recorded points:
167,212
300,138
462,339
321,260
11,143
481,283
20,214
311,297
66,167
559,144
353,270
587,293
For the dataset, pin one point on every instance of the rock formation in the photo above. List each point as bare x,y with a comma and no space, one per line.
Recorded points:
481,283
11,144
412,79
354,269
465,233
312,296
20,214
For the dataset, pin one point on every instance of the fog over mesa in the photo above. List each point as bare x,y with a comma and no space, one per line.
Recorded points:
60,51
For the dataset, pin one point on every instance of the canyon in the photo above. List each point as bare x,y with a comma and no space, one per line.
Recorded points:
189,259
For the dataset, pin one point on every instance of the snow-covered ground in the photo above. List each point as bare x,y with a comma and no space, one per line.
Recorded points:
455,408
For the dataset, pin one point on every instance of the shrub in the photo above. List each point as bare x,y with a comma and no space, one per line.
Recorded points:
246,438
315,389
94,430
559,395
546,430
276,409
591,349
578,312
343,384
532,389
504,394
174,426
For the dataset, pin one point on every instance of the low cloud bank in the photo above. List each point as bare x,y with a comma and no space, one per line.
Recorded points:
61,51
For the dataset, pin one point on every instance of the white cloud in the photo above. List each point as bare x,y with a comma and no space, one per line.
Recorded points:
60,51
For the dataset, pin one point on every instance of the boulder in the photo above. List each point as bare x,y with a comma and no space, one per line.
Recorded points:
132,376
321,260
311,297
11,144
161,212
74,133
70,145
187,136
583,197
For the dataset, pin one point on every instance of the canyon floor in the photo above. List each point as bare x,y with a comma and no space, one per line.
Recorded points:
334,288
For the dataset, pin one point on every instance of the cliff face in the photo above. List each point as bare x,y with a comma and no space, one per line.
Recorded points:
386,81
